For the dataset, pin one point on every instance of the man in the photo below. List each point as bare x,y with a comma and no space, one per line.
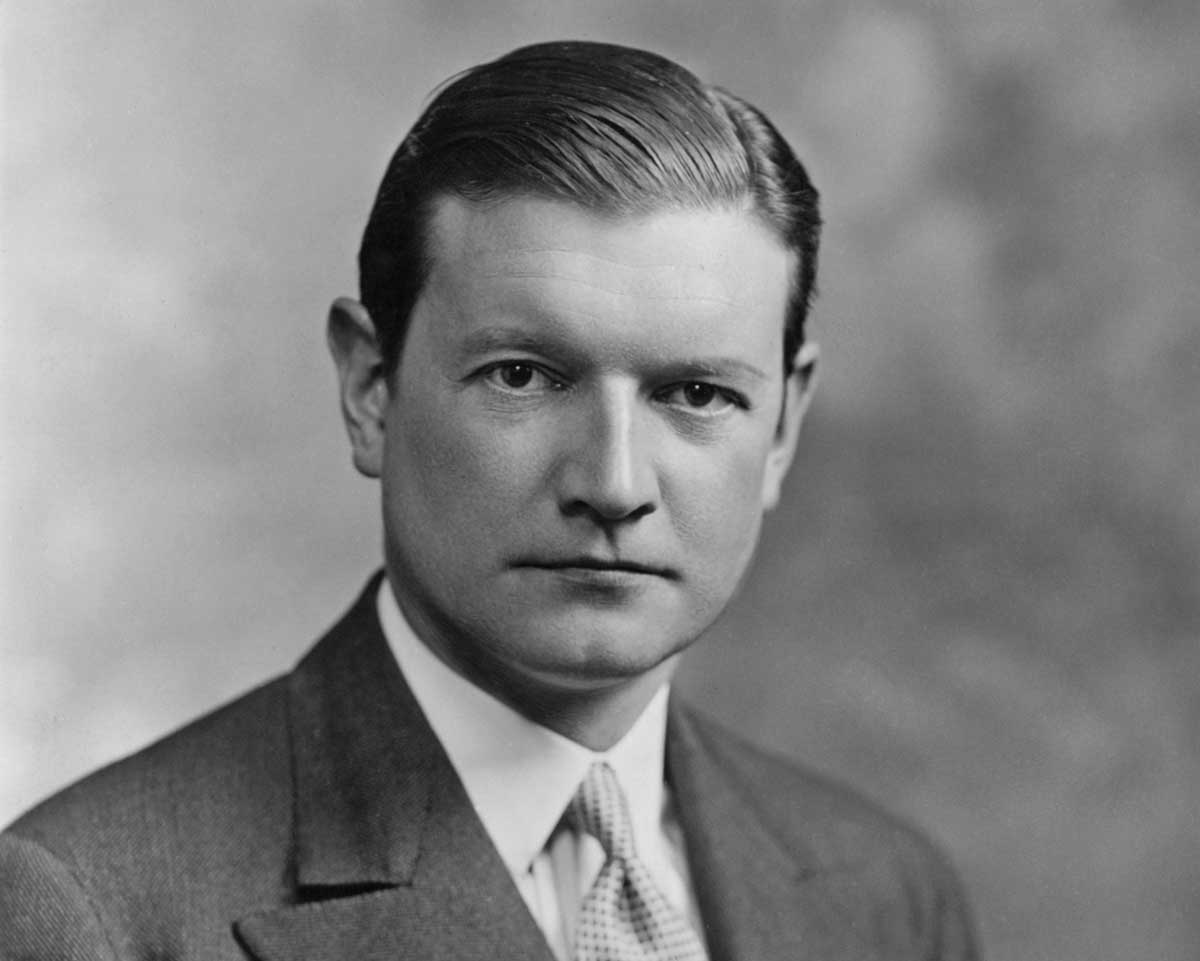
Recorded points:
578,369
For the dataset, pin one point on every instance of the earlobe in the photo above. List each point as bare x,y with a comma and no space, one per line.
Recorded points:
798,391
362,382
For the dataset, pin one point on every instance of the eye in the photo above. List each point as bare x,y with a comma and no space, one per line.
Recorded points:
514,376
700,397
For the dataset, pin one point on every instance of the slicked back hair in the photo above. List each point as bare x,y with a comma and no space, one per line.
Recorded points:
611,129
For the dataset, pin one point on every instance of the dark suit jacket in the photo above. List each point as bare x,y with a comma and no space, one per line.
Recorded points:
318,817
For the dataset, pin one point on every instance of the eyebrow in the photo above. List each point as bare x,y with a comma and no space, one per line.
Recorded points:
498,336
715,367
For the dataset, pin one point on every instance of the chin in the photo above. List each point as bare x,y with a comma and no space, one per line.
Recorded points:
597,654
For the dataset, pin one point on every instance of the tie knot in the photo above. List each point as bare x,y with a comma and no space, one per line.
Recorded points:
599,809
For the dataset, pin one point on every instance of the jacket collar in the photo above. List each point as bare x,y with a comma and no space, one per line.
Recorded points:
365,761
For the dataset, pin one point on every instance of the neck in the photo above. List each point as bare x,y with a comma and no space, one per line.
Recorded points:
595,717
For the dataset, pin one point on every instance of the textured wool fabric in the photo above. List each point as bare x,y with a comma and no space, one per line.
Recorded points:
624,917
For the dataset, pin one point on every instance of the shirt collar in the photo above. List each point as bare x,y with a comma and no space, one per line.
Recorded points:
519,775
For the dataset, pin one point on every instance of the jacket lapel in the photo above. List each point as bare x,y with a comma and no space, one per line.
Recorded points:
391,861
762,897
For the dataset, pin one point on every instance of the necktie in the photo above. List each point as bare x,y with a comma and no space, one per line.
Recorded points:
624,917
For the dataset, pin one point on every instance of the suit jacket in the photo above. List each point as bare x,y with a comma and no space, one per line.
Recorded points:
318,818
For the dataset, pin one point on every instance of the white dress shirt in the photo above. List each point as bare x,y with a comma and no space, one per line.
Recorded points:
521,776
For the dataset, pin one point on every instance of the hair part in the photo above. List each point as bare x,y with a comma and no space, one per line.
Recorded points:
613,129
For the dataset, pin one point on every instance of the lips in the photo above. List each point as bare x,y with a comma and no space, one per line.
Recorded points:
600,564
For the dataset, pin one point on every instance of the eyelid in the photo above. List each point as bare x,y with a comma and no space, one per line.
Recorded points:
554,381
732,399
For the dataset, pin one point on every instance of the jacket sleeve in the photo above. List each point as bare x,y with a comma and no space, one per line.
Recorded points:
45,912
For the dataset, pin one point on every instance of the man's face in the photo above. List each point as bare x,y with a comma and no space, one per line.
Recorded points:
582,435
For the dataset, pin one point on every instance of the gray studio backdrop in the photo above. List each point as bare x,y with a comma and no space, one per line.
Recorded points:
981,599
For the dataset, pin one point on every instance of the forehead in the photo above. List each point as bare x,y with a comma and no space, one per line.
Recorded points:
713,273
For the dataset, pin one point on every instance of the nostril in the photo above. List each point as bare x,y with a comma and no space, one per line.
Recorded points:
607,513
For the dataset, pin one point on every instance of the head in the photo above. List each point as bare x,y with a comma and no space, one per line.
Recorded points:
578,366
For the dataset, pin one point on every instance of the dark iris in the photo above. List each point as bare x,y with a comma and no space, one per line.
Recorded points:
516,375
699,395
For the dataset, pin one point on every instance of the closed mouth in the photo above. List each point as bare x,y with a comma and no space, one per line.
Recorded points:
600,564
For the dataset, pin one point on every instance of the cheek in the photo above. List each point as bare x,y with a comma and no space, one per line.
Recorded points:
718,506
459,464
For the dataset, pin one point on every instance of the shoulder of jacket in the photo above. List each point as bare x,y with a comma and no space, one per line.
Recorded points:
239,742
823,812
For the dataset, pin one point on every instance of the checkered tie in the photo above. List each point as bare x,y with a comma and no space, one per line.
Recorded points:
623,917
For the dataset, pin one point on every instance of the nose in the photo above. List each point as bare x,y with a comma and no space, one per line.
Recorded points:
608,471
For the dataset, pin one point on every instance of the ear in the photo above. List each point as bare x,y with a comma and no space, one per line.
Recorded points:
362,382
797,393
